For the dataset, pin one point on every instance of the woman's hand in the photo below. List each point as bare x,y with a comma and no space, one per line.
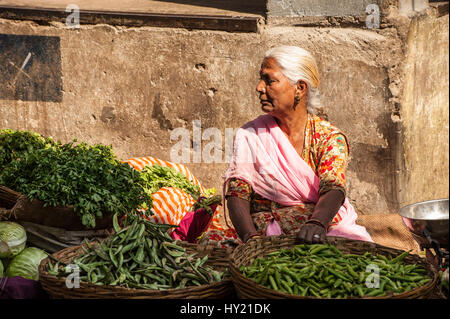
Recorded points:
311,234
314,231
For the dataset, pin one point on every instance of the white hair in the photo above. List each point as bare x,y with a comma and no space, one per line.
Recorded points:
298,64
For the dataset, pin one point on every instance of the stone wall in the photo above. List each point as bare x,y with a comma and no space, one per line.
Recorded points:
131,87
425,111
308,8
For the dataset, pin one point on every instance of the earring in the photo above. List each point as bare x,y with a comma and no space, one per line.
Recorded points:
297,100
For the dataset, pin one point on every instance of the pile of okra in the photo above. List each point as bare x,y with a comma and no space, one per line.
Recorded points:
140,255
323,271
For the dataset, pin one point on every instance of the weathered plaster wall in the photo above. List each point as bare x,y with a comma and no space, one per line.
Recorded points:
425,111
130,87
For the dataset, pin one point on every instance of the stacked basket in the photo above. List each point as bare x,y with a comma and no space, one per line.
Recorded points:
245,254
218,259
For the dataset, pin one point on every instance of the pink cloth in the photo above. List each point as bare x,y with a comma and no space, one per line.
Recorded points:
264,157
193,225
273,229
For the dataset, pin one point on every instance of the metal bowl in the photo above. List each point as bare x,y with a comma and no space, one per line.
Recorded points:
427,220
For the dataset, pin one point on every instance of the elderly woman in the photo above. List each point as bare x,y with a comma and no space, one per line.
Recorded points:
287,174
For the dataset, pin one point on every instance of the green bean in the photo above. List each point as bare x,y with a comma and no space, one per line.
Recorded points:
141,256
327,272
424,281
352,272
337,283
318,248
200,275
400,257
287,287
339,275
376,292
360,291
272,282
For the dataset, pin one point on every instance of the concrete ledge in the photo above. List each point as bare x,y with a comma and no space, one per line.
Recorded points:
442,7
137,19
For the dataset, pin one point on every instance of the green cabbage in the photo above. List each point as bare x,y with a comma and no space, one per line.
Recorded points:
26,264
13,238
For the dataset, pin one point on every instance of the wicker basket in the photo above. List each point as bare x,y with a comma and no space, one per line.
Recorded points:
218,259
248,289
8,197
17,206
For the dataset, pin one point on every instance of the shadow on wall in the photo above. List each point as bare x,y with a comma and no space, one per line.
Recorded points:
247,6
381,170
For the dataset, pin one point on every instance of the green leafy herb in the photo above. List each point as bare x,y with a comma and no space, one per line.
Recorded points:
90,178
16,144
155,177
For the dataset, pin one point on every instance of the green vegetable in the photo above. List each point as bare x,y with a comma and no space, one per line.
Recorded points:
90,178
16,144
26,264
155,177
141,255
324,271
1,268
206,203
13,239
210,192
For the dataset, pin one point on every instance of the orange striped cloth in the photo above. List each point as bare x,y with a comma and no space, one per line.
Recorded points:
170,204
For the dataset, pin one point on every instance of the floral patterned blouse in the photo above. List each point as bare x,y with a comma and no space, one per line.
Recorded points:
325,150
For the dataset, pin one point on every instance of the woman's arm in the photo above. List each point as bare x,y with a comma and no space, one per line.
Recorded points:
239,210
326,208
331,171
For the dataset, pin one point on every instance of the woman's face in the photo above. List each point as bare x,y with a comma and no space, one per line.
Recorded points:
276,93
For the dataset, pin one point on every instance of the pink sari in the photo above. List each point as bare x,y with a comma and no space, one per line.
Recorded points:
264,157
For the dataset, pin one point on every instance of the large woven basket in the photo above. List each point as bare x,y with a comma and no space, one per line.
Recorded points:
218,258
8,197
245,254
17,206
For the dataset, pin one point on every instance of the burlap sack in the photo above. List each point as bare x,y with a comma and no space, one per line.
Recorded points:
35,212
389,230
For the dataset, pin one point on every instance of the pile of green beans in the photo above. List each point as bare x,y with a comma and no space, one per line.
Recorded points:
141,255
324,271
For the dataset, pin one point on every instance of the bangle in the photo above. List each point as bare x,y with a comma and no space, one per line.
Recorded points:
316,222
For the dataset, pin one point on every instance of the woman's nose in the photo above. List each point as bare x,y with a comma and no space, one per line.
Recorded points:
260,86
